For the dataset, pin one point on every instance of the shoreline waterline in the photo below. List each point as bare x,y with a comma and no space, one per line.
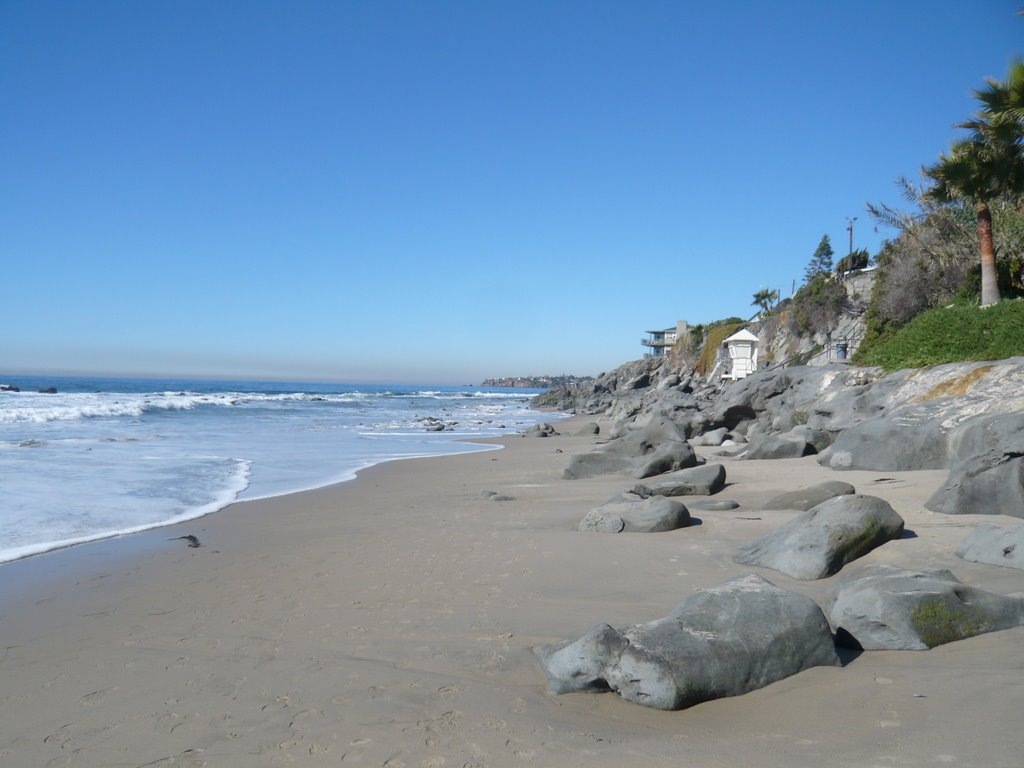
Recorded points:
103,458
62,546
83,560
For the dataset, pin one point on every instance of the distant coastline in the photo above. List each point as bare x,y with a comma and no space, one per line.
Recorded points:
536,382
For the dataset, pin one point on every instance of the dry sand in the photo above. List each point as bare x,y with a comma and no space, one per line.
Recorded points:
391,621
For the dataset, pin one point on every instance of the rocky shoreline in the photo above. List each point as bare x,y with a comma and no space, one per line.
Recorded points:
967,418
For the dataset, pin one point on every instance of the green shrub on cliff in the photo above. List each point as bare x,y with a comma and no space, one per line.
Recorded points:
950,334
817,305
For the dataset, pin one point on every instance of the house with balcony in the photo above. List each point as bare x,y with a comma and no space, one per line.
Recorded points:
660,341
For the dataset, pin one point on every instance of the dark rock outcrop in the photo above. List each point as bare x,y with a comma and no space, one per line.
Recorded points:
822,540
884,607
734,638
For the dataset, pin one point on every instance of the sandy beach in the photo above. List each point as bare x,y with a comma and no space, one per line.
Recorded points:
392,621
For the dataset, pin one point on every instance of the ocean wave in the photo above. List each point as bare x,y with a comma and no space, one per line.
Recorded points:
38,409
233,484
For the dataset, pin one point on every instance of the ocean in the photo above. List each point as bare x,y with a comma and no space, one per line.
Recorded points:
107,456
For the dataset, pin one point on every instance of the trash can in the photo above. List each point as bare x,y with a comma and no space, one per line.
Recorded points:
841,350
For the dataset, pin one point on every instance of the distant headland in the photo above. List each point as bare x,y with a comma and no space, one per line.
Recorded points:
537,382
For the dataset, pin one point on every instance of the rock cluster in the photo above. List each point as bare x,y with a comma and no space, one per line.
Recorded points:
965,417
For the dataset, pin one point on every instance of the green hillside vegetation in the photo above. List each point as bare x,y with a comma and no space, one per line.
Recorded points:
715,334
950,334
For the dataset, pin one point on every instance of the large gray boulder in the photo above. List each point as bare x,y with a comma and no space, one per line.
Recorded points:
990,484
734,638
654,449
632,514
716,505
542,429
988,476
704,480
912,439
806,498
714,437
930,418
883,607
992,545
786,446
822,540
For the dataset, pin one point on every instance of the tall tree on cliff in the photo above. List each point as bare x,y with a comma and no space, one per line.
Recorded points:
986,166
821,261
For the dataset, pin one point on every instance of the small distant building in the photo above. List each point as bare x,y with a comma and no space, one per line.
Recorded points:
739,355
661,341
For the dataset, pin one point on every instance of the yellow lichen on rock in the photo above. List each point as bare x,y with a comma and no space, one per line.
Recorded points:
960,385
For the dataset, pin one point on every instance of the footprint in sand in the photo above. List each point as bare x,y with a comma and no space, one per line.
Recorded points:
356,749
167,722
96,697
448,691
492,723
518,748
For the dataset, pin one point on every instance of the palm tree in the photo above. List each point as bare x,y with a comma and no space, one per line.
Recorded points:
986,166
972,172
1002,110
765,299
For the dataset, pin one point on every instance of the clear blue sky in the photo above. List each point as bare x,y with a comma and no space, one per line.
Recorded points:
444,191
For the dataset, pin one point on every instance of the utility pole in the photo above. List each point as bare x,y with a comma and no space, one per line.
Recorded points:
849,227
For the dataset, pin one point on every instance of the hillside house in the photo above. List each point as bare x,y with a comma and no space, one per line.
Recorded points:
661,341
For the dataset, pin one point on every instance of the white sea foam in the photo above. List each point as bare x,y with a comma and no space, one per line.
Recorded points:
234,484
101,459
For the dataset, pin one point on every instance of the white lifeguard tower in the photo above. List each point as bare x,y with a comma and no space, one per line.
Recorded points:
739,352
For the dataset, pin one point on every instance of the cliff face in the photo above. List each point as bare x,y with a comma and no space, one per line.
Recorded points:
781,344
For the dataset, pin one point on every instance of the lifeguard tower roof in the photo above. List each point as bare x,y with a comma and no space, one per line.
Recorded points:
741,335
